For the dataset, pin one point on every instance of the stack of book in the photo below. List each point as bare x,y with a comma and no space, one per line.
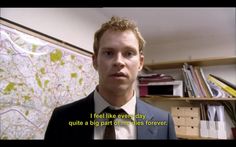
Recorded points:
197,85
195,82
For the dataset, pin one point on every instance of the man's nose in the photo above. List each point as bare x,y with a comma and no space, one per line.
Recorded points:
119,60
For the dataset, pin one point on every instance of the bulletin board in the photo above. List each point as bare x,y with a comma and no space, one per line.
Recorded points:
37,74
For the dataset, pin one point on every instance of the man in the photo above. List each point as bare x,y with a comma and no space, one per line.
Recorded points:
118,57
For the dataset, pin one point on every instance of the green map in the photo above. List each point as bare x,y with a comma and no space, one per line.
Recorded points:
35,77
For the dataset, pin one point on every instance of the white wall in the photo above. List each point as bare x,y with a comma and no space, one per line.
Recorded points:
73,25
191,49
191,33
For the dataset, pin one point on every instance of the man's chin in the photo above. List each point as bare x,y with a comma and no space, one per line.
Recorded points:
119,87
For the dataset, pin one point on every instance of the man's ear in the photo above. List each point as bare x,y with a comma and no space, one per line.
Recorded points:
141,62
94,61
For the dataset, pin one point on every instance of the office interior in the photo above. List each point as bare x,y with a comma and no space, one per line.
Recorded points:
171,34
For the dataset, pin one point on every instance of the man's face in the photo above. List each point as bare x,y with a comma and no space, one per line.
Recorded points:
118,60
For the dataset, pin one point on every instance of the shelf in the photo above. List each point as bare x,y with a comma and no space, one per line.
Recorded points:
164,101
197,62
194,137
186,99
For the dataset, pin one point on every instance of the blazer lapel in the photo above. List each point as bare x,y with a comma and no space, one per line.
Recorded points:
145,131
88,109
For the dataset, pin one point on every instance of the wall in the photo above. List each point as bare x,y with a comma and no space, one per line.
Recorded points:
73,25
191,49
192,33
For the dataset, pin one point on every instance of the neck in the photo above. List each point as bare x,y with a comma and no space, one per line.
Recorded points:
116,97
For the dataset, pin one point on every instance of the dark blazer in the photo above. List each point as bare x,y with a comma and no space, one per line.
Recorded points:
59,129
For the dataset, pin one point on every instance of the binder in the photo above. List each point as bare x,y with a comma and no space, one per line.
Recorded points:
224,81
222,85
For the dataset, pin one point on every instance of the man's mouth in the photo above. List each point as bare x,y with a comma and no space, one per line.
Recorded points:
119,74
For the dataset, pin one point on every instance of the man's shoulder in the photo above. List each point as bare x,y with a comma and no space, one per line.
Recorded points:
77,106
148,108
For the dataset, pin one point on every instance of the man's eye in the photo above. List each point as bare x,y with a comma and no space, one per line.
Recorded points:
129,54
108,53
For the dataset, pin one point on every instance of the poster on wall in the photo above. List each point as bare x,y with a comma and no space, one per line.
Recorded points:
35,77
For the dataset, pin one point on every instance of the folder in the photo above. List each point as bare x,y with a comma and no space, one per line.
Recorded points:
222,85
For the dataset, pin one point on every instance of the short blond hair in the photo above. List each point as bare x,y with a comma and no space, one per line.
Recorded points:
118,24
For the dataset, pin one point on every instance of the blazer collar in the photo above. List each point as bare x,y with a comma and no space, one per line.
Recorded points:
89,108
145,131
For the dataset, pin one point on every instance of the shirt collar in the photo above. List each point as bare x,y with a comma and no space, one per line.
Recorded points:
101,104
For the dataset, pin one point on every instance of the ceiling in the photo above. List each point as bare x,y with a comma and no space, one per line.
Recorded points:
162,25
